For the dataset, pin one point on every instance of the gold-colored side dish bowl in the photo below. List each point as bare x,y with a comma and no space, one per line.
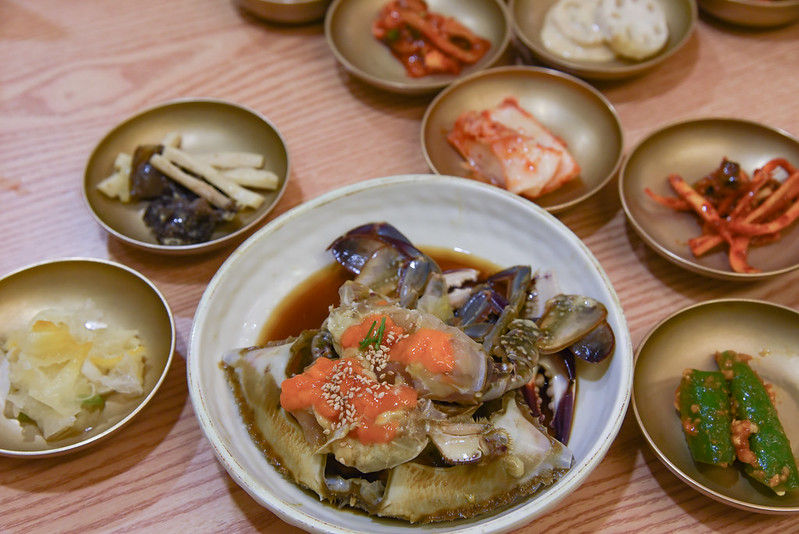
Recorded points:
206,125
570,108
348,31
688,339
693,149
753,13
285,11
528,20
125,298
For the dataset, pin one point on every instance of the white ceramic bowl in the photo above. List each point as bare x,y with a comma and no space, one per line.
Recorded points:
435,211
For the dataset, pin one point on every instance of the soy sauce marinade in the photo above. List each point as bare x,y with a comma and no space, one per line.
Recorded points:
306,307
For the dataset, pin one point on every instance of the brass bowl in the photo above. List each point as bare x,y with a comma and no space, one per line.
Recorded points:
348,30
567,106
753,13
125,297
286,11
688,339
693,149
207,125
528,19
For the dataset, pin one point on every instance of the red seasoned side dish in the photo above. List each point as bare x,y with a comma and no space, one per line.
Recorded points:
425,42
508,147
736,210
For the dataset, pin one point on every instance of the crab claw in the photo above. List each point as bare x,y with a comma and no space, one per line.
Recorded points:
384,260
551,393
596,345
568,318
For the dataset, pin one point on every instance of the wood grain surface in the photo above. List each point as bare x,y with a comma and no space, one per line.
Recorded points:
70,71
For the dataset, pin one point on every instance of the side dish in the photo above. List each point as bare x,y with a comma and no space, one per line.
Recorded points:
730,414
188,195
420,381
736,210
426,42
508,147
59,371
601,30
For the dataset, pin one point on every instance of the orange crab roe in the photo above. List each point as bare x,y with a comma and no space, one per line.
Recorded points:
343,392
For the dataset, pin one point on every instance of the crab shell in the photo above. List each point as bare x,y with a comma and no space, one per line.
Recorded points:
411,491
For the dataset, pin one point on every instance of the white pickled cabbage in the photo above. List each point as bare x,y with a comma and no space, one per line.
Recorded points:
61,360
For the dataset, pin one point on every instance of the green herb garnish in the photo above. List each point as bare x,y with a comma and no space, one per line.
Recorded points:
392,35
96,400
377,338
23,418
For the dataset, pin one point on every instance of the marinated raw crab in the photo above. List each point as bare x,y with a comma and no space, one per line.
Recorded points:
425,395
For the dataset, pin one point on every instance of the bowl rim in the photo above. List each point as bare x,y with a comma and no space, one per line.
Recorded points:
541,71
194,248
574,478
661,455
422,86
767,6
688,263
145,400
594,71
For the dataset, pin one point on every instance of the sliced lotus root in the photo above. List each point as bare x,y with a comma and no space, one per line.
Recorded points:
564,46
576,19
635,29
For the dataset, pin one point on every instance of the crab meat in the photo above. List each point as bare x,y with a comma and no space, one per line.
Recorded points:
503,459
458,372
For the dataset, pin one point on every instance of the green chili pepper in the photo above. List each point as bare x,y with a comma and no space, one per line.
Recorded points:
703,401
773,463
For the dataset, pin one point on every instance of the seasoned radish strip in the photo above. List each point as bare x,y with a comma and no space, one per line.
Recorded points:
737,210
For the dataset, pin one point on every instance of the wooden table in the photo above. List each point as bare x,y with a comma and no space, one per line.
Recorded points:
69,71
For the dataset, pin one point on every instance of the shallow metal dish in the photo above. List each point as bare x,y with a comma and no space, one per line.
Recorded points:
207,125
433,211
528,19
125,297
688,339
693,149
753,13
348,30
567,106
286,11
